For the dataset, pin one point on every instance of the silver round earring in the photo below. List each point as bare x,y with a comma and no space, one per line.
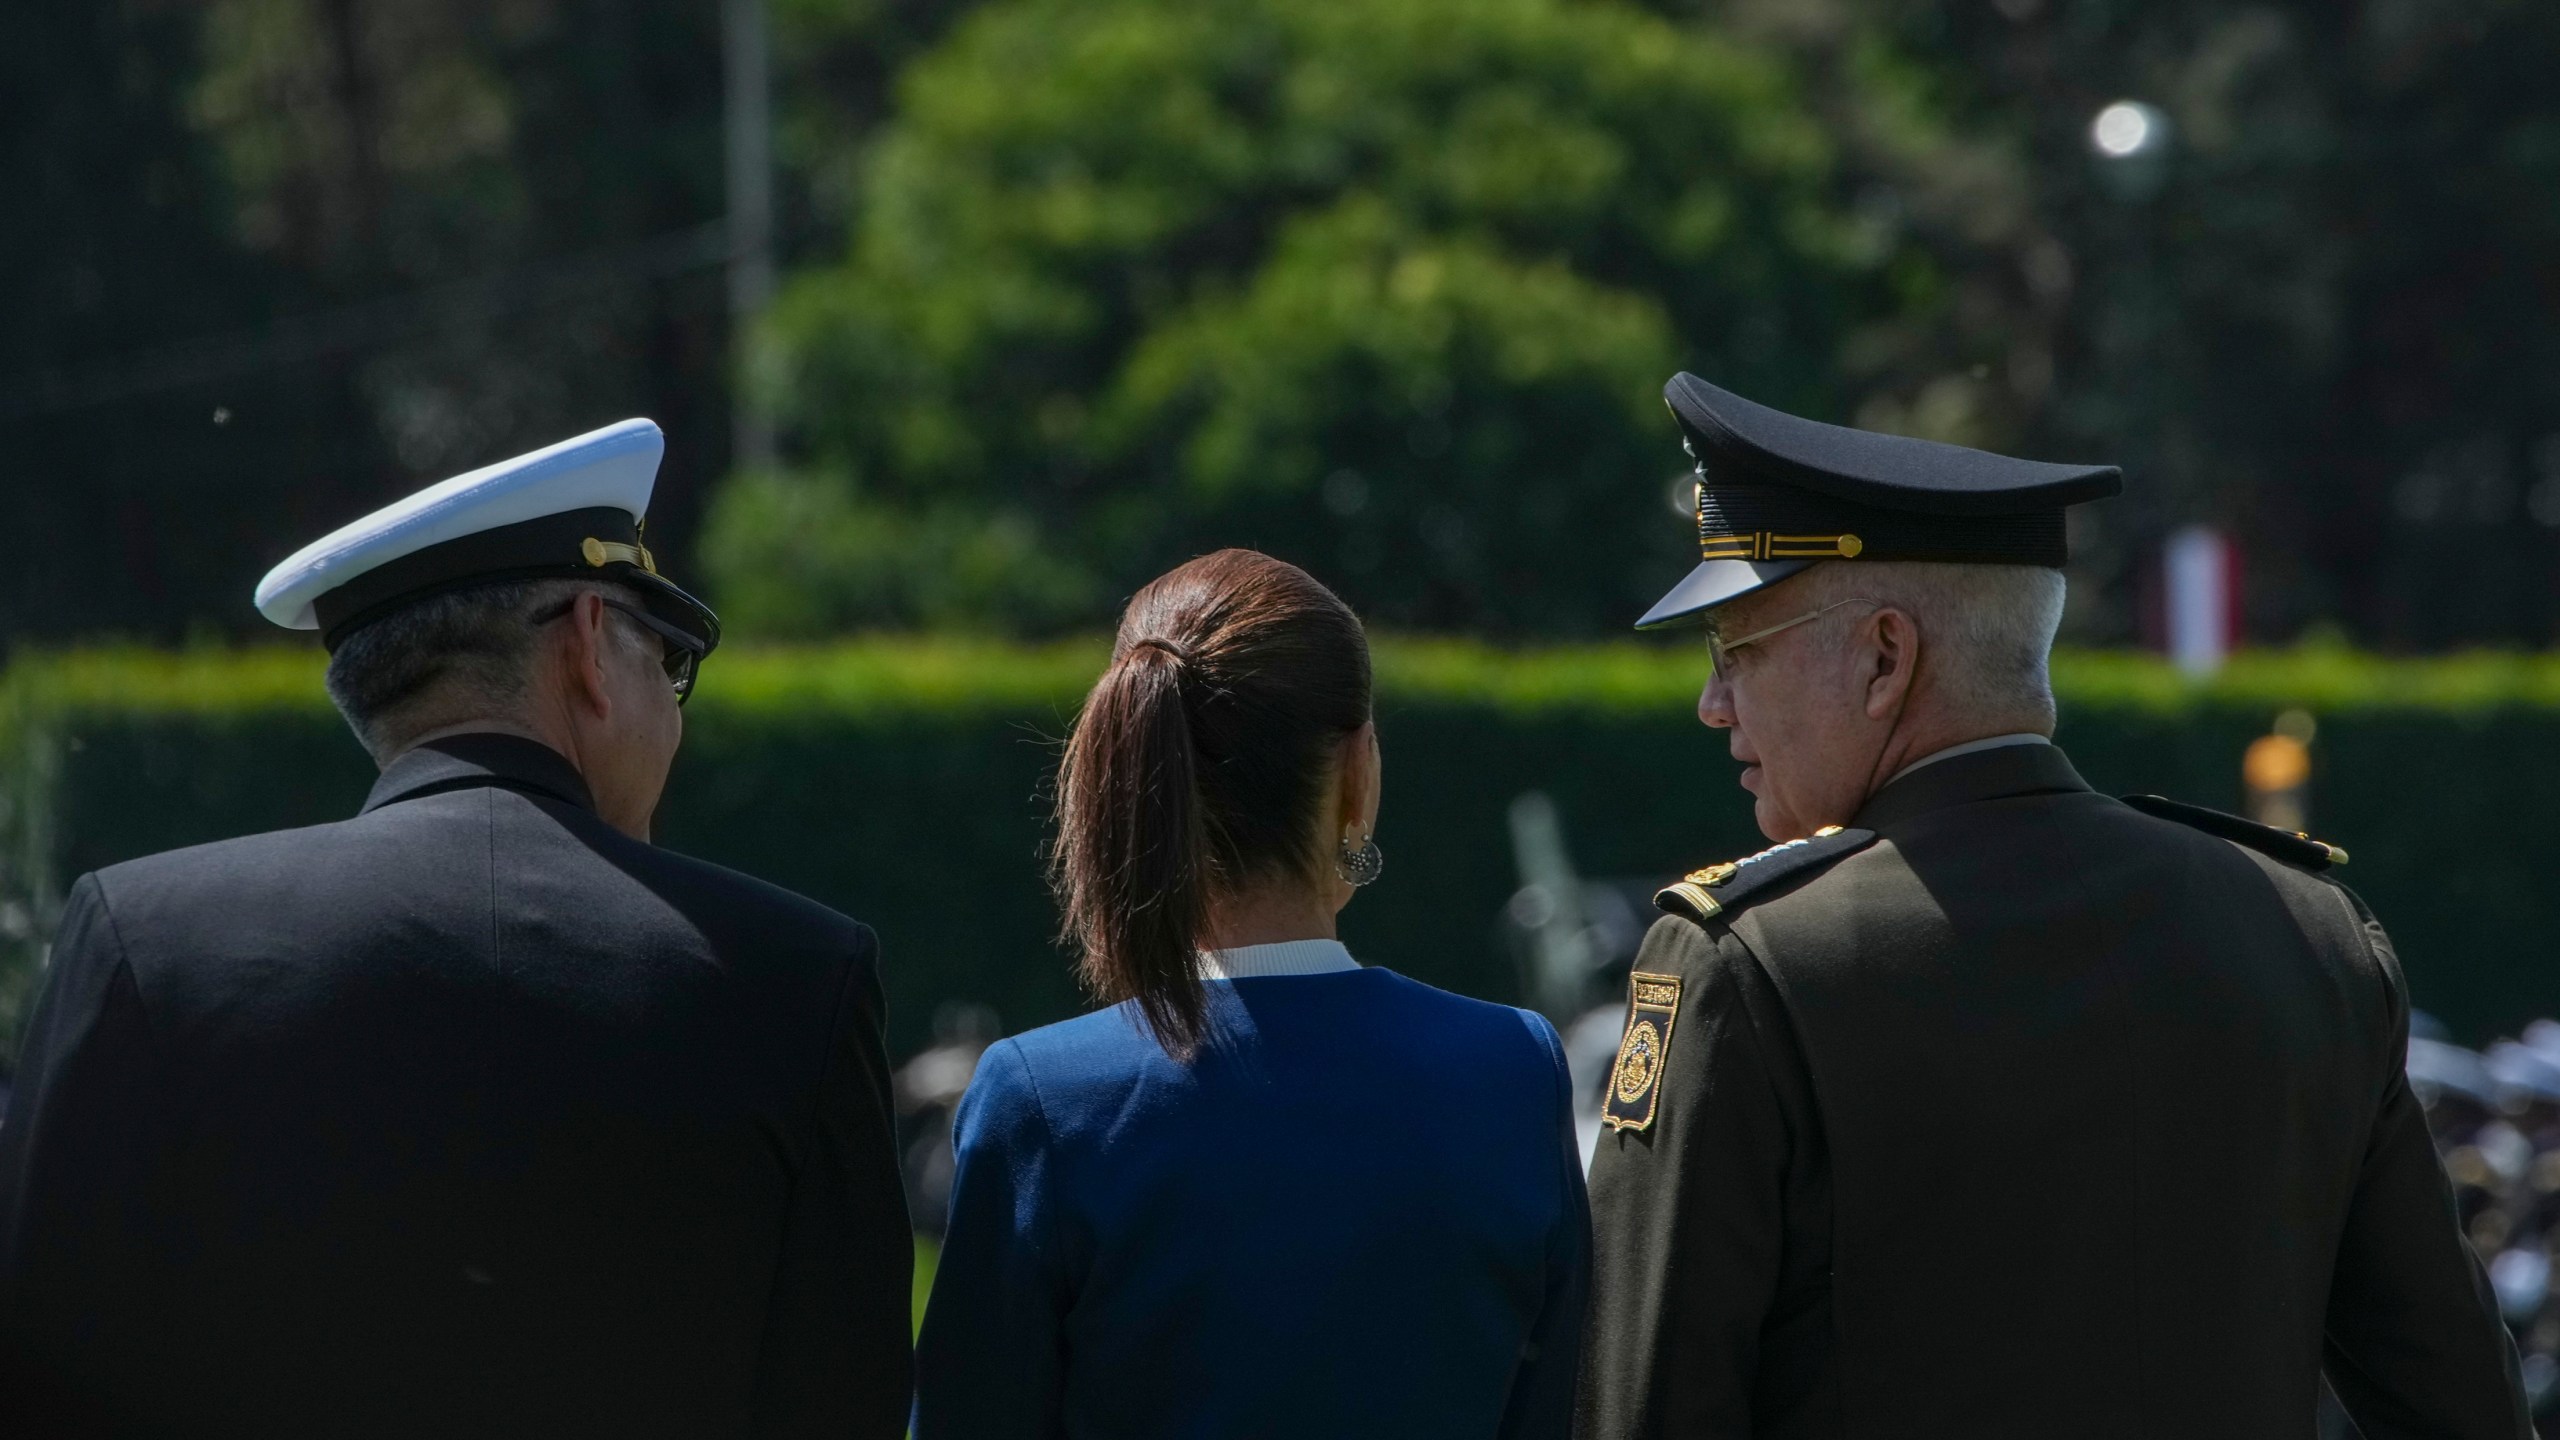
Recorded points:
1361,864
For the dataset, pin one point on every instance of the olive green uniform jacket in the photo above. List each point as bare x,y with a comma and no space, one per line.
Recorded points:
2014,1110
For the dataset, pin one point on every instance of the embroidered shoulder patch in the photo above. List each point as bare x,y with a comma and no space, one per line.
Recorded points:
1635,1082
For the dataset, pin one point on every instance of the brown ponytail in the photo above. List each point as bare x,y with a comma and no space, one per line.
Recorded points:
1196,768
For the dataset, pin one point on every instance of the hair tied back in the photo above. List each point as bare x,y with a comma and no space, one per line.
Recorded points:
1187,782
1151,642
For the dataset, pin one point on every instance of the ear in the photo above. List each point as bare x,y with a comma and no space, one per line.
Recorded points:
1891,660
580,655
1356,781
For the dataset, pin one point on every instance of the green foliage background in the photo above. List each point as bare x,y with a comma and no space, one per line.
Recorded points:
1387,287
903,782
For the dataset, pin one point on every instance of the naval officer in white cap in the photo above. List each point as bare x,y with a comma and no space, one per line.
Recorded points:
475,1114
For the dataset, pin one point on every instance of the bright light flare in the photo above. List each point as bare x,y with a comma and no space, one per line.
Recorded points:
2126,129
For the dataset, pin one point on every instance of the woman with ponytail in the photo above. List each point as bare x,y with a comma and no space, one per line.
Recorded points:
1267,1191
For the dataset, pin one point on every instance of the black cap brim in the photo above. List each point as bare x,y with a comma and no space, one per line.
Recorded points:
1713,583
670,602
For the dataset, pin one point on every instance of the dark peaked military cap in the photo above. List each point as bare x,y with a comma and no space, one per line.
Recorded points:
1777,493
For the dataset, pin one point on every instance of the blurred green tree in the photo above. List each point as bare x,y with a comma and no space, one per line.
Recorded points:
1385,286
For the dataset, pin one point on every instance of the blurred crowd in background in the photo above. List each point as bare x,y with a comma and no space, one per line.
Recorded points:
2496,1118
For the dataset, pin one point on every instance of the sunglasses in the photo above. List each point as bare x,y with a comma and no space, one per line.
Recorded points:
681,655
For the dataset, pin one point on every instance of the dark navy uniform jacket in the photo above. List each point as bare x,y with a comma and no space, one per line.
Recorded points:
1358,1212
2014,1110
469,1116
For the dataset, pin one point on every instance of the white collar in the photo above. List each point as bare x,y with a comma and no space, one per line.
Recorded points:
1971,746
1284,957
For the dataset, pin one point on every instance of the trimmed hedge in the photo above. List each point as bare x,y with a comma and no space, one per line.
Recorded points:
903,781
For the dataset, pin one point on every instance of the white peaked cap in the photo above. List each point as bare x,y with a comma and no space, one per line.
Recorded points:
613,468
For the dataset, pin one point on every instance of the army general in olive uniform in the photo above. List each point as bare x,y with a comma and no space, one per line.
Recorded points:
1984,1104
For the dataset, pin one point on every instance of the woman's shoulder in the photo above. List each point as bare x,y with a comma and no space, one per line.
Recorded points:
1061,1067
1424,994
1104,1040
1489,1021
1092,1061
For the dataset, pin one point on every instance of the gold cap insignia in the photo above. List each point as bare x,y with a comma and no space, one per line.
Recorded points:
600,553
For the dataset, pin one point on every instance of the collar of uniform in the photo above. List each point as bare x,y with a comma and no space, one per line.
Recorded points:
1993,774
2023,737
480,758
1284,957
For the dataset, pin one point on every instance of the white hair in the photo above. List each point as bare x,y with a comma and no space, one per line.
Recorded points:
1986,631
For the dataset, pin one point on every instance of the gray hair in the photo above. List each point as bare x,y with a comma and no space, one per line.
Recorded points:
450,658
1986,630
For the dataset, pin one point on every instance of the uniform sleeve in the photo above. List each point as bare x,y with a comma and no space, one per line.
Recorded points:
991,1363
836,1359
76,1157
2415,1347
1686,1216
1542,1393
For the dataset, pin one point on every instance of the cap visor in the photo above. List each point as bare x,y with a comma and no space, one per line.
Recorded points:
1713,583
668,601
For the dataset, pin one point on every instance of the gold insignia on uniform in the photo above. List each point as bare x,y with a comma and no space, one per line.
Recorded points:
1826,832
1653,1003
1639,1059
1714,874
1688,894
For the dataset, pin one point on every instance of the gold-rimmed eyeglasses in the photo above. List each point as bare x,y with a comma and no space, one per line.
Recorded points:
1720,650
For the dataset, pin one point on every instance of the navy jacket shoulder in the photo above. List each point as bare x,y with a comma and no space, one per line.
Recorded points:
470,1086
433,801
1356,1211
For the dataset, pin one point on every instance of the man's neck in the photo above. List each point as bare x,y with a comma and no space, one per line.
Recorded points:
1968,747
483,726
1924,743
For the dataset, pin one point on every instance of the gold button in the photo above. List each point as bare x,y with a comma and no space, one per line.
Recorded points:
1850,545
593,549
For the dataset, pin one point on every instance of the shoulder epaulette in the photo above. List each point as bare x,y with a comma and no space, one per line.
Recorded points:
2290,846
1701,895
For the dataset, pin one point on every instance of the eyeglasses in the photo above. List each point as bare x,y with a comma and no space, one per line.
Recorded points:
1720,650
680,655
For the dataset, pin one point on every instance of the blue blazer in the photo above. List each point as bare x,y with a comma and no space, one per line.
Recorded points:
1357,1212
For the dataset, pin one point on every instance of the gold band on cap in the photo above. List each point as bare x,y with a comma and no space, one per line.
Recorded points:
1762,545
600,553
